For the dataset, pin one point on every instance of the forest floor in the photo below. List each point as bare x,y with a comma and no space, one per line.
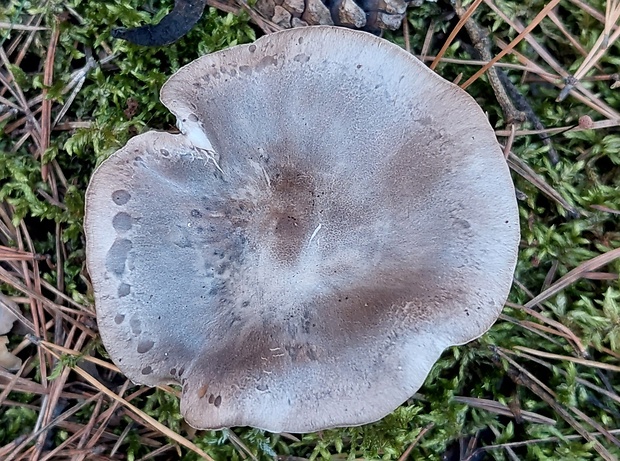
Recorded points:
542,384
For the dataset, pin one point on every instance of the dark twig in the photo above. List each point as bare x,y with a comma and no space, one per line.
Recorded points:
172,27
515,106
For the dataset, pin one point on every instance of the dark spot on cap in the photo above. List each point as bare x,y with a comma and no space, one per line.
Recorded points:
123,290
461,223
145,346
147,370
267,61
121,221
117,256
119,318
136,328
120,197
218,401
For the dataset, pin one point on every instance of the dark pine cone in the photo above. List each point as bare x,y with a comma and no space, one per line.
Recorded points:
370,15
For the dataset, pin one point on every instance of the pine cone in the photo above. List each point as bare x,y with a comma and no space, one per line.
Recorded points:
370,15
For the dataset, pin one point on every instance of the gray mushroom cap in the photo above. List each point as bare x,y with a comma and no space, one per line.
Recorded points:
7,318
332,217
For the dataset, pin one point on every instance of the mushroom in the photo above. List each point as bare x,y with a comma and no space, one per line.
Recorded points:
332,216
7,318
8,360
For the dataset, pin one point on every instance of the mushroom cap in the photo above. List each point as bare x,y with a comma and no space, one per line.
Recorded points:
7,318
8,360
332,217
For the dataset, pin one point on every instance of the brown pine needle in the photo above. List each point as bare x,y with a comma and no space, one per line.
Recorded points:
471,10
539,17
524,170
135,410
46,112
501,409
574,275
601,124
524,378
525,443
65,350
573,41
604,41
563,330
54,422
410,448
548,355
13,254
9,26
